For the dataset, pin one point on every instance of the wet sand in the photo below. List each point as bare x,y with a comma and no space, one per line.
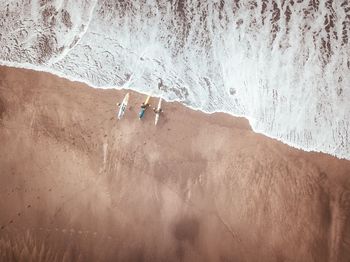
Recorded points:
78,185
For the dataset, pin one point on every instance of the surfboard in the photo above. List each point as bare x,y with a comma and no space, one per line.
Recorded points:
158,113
147,100
123,106
143,110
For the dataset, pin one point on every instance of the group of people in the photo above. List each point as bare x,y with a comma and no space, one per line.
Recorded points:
155,110
144,105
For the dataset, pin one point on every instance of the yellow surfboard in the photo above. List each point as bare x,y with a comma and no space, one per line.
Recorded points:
147,100
144,107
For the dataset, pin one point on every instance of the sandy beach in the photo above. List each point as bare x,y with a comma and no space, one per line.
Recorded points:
76,184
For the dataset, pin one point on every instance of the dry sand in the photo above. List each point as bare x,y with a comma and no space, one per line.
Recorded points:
78,185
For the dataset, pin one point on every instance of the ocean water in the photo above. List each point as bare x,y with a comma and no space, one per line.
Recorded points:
285,65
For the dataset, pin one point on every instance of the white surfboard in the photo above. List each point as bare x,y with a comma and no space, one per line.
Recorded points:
123,106
158,109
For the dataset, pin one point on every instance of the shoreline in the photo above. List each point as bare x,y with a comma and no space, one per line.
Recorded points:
196,187
39,69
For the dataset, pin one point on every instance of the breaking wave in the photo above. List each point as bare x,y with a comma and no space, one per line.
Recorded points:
285,65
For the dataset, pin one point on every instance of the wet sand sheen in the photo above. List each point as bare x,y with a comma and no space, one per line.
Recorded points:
77,184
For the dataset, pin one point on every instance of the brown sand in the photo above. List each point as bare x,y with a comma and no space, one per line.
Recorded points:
78,185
